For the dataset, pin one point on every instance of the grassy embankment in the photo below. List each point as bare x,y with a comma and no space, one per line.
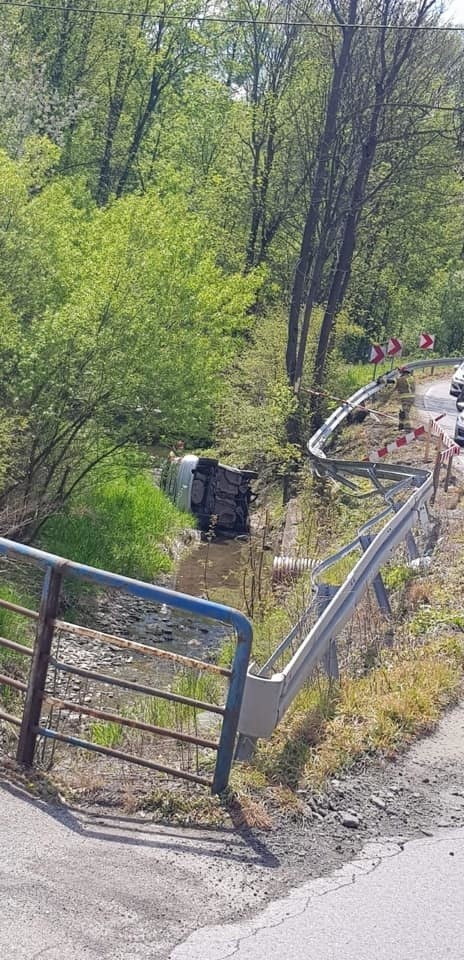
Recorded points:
125,525
386,695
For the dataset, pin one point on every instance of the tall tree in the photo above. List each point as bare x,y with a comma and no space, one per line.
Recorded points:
368,118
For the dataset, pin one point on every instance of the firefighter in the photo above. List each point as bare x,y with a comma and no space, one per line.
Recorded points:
405,387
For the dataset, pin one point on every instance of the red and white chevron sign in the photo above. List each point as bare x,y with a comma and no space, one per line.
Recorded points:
378,353
426,341
394,346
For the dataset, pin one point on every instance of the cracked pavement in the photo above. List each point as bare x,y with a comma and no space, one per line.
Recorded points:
401,901
78,885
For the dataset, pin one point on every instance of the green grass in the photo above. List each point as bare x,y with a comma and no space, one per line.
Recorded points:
331,725
159,712
124,525
398,575
106,733
13,627
164,713
349,377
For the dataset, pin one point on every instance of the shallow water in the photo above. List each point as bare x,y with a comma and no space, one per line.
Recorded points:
212,569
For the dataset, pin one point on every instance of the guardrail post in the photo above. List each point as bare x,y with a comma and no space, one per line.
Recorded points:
35,689
330,661
412,546
226,747
378,584
325,592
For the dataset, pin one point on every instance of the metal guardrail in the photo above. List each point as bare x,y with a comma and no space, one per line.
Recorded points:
47,624
255,701
268,695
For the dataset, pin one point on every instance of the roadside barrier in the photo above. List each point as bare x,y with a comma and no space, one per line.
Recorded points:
406,492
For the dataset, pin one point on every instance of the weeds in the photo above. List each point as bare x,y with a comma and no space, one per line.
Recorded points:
106,733
255,584
162,713
396,576
13,626
381,712
124,524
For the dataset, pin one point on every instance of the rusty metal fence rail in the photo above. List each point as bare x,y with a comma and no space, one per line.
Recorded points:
36,695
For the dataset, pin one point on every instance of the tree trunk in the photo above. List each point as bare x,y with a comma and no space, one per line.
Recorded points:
139,132
308,243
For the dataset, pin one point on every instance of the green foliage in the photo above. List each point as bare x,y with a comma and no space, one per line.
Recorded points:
396,576
158,712
13,627
451,331
351,341
118,325
428,617
251,422
153,189
343,379
123,525
409,247
166,713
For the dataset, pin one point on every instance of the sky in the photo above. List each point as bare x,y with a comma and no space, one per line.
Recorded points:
454,10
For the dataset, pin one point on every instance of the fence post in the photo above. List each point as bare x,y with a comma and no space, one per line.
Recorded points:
436,472
448,472
37,678
225,754
427,441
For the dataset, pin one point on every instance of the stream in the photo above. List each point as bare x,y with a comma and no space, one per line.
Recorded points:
209,570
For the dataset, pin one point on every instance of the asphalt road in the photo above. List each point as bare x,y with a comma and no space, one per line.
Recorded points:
435,399
395,902
84,888
74,889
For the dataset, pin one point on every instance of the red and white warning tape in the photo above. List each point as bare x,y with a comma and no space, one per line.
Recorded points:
395,444
452,449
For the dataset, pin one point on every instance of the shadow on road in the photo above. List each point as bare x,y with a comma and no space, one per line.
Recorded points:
239,845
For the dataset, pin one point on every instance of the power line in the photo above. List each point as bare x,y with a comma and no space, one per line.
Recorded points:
207,18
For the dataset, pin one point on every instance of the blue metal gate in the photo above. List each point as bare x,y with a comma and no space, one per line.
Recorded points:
56,569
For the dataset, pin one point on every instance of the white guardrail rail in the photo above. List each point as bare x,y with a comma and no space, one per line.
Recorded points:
406,491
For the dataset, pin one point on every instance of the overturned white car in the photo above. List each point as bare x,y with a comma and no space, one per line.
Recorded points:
218,496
